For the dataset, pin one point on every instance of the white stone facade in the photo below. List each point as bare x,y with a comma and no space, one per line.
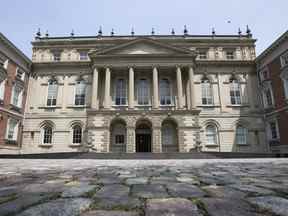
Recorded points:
144,94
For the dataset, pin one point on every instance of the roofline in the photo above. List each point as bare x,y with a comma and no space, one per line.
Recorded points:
14,48
39,39
273,46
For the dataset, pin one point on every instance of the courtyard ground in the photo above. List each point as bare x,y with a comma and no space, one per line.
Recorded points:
214,187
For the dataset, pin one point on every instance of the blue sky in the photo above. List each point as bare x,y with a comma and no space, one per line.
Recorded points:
19,20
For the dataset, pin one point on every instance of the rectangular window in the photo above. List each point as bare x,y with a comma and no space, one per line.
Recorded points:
230,55
52,93
284,59
20,74
202,54
17,96
121,92
143,92
57,56
207,98
235,95
83,55
273,130
12,130
80,93
241,135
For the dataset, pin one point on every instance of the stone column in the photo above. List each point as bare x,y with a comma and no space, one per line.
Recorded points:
252,99
191,88
179,88
94,100
131,88
64,99
156,141
222,100
130,140
107,102
155,88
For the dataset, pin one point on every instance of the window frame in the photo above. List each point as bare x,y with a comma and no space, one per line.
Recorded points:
142,98
284,59
77,138
20,74
121,93
15,130
230,54
43,137
53,98
207,91
241,135
83,57
168,97
214,135
80,99
17,101
2,89
57,56
232,89
271,135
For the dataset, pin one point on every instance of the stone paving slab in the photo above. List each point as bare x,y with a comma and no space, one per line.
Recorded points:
144,187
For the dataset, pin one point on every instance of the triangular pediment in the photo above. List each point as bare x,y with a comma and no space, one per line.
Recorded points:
144,46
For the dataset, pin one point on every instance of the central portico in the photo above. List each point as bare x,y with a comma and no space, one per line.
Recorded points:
140,91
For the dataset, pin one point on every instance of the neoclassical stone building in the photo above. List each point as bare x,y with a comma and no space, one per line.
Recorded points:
153,93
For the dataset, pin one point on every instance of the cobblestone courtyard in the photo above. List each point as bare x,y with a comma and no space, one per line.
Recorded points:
235,187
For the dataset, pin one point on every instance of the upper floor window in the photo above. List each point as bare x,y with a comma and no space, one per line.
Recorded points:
12,130
285,83
121,92
284,59
165,92
2,89
77,134
273,130
235,92
52,92
211,135
143,92
207,97
83,55
47,134
268,98
57,56
202,54
230,54
80,92
241,135
20,74
17,96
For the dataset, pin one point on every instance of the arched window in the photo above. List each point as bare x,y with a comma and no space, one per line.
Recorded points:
80,92
77,134
211,135
235,92
207,96
241,135
121,92
143,92
47,134
52,92
165,92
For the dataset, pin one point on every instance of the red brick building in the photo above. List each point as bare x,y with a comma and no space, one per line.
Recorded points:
272,66
14,76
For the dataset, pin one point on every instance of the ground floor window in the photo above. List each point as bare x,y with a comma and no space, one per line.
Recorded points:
211,135
241,135
77,134
47,134
12,130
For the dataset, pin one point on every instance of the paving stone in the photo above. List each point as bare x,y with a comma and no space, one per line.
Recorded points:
228,207
8,191
171,207
149,191
189,180
163,180
24,201
139,180
43,188
59,207
79,190
223,192
109,180
112,196
184,190
110,213
252,190
277,205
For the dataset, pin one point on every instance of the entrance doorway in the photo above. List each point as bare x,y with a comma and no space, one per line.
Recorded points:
143,137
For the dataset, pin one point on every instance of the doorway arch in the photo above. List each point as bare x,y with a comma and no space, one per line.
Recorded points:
143,137
118,136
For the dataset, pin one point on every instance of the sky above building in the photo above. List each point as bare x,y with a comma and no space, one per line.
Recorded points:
19,20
